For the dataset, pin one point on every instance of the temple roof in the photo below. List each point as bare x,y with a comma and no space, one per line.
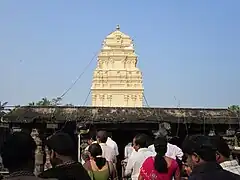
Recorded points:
96,115
116,33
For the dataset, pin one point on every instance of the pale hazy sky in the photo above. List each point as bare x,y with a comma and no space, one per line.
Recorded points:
187,49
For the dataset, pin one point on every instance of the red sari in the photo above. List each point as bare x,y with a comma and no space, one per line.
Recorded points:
148,172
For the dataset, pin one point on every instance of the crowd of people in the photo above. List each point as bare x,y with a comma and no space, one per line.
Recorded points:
199,158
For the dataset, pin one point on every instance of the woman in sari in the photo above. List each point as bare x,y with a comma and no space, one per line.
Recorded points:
160,167
98,168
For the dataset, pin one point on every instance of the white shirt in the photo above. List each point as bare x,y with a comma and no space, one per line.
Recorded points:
172,151
86,149
135,162
231,166
108,152
113,145
128,150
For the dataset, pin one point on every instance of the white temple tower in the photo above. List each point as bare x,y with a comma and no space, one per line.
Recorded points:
117,82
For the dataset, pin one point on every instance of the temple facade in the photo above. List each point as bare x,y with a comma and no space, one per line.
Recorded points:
117,82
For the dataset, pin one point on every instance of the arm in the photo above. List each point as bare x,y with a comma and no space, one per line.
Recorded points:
129,167
113,171
116,149
140,177
125,152
113,157
179,153
177,175
141,174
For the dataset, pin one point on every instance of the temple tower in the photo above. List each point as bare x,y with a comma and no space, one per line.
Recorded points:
117,82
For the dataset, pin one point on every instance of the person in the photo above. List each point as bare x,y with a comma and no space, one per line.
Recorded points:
160,166
173,151
63,159
137,158
201,157
91,139
18,156
85,155
223,155
98,167
128,149
111,143
108,152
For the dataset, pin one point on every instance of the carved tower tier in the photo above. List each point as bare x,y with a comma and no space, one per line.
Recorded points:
117,82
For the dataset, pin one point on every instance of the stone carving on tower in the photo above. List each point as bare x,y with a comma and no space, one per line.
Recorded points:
117,82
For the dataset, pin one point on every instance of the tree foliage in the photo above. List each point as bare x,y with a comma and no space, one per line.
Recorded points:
234,109
2,108
46,102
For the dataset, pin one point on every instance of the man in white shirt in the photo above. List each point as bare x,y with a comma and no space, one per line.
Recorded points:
172,151
113,145
136,159
91,140
128,150
108,152
223,155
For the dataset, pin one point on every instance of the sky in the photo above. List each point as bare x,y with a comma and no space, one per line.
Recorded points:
188,51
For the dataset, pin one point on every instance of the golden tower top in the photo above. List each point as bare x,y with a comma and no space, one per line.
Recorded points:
117,82
117,39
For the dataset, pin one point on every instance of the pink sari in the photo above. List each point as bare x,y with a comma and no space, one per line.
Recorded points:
148,172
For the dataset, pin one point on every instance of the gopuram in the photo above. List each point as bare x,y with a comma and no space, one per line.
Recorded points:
117,82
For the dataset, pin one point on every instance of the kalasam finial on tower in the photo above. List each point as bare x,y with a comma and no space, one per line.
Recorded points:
118,27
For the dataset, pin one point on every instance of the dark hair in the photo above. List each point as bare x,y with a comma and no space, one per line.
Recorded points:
102,136
91,136
141,140
149,141
160,163
18,150
96,151
62,144
221,146
200,145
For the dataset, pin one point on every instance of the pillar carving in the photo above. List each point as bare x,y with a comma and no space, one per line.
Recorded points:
109,97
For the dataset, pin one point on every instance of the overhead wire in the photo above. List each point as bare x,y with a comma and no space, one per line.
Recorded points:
79,77
70,87
85,102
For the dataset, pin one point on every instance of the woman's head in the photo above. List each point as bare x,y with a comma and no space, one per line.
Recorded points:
95,151
160,145
160,163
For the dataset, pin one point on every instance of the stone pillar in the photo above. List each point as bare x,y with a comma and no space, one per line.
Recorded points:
38,153
47,164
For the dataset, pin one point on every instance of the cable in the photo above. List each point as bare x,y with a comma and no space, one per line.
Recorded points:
87,98
73,84
145,99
